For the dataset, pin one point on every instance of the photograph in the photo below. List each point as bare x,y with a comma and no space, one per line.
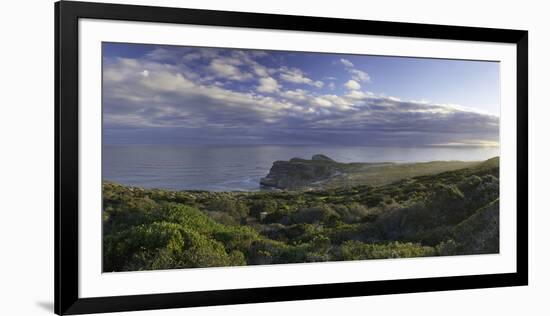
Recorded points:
225,157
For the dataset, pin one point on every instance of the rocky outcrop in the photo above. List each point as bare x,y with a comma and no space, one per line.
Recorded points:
302,173
320,157
322,172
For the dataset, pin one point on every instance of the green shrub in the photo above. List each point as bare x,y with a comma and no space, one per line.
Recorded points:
355,250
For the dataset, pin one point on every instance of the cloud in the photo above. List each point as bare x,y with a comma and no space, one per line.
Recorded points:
191,57
356,74
352,85
470,143
148,97
295,75
322,102
166,98
359,75
346,62
340,103
260,70
295,95
358,95
227,68
174,54
268,85
163,54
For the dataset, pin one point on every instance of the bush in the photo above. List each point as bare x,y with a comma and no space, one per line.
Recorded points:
259,206
316,214
447,248
352,213
143,247
355,250
235,208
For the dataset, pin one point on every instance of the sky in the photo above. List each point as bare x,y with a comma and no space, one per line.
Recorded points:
155,94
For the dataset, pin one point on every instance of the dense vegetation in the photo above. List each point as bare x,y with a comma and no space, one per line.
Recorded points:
449,213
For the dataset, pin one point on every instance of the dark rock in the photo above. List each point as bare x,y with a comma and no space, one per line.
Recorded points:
322,158
301,173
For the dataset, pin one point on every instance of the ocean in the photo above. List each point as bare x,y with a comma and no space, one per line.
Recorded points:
239,168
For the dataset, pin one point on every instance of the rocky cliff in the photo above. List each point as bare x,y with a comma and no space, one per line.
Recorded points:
321,172
301,173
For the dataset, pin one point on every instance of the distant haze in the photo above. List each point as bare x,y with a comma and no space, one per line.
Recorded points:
154,94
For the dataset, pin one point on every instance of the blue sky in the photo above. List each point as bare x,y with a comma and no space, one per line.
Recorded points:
189,95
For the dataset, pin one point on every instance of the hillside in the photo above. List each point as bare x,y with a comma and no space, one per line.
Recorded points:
449,213
322,172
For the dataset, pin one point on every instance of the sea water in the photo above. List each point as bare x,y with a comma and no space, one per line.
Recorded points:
239,168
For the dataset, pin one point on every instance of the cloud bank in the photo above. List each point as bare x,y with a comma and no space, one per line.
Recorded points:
222,96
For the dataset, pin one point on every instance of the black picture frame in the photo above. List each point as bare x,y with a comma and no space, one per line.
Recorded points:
67,15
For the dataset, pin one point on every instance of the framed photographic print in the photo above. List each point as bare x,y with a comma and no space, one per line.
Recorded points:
208,157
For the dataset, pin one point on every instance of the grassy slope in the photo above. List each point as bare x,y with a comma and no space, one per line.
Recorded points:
300,174
389,173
